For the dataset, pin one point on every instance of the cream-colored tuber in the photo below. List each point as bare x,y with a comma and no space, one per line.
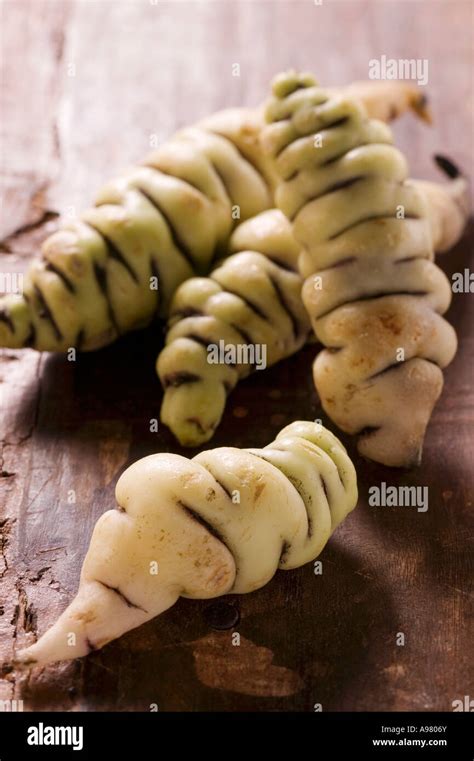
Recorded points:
221,522
374,296
251,303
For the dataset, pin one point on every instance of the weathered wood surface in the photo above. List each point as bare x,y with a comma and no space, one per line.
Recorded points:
85,85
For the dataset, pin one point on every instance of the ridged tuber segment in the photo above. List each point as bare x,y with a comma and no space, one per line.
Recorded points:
167,220
183,518
251,303
374,296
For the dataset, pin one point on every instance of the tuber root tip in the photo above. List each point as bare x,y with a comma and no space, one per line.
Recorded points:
447,166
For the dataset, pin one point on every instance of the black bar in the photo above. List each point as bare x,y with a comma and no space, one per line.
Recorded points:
159,735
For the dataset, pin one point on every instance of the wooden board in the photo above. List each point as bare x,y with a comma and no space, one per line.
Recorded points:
85,86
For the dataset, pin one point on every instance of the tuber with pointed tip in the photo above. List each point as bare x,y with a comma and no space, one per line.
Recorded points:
373,293
253,299
222,522
448,205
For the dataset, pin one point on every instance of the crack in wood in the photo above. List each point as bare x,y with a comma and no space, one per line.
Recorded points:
39,574
46,216
24,615
5,528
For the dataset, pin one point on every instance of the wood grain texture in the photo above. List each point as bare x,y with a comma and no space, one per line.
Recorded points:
85,85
